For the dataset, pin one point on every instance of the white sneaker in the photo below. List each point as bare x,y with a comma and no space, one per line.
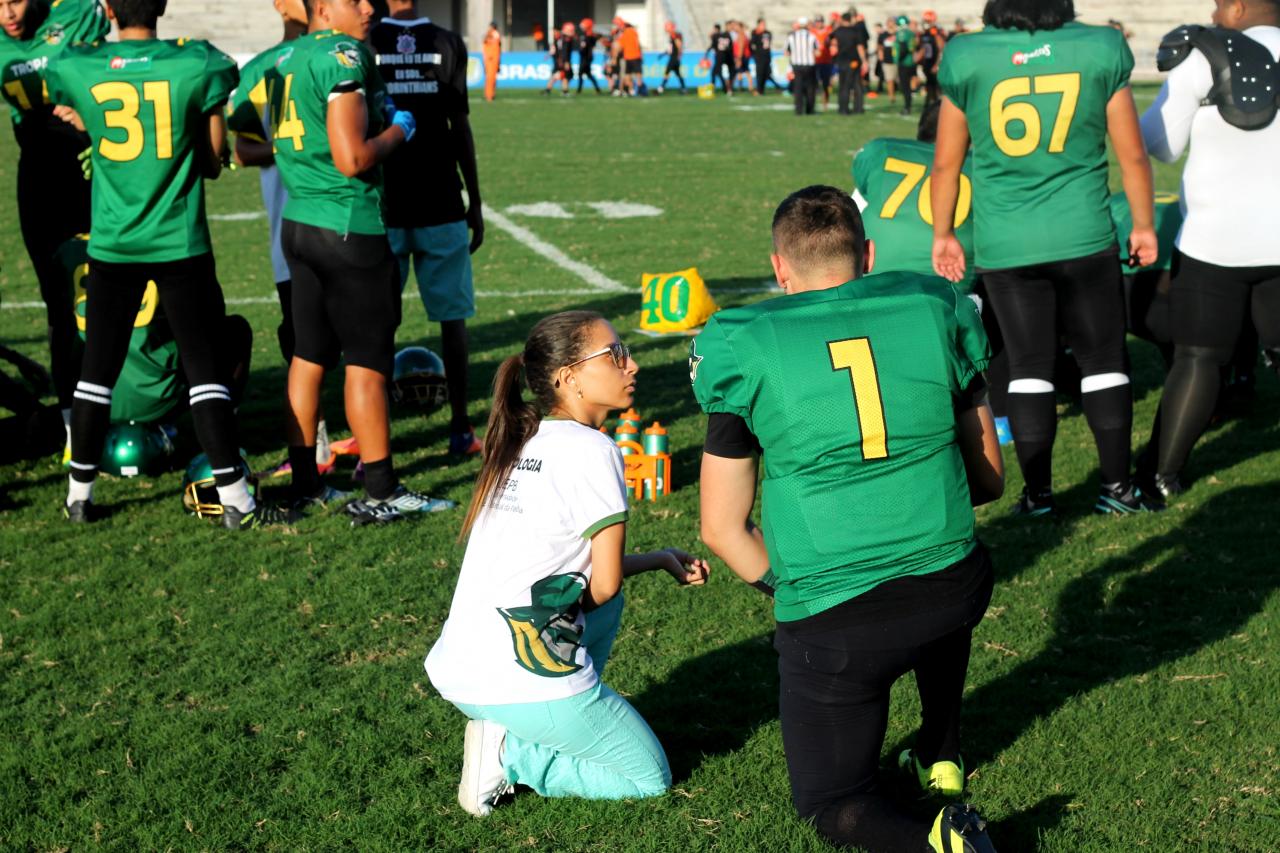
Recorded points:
483,779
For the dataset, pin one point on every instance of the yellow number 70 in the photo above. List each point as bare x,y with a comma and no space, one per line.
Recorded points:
1004,113
855,356
913,174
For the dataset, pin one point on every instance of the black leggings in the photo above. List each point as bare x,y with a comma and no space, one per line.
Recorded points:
1085,297
53,207
906,75
1208,306
193,306
834,707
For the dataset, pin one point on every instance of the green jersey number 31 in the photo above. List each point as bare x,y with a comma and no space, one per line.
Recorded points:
125,117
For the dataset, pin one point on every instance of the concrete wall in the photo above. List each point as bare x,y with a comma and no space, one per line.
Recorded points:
248,26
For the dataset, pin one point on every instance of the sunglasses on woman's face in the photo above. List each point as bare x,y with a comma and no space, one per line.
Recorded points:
620,353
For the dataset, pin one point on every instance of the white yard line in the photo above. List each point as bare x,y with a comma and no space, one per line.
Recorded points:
592,276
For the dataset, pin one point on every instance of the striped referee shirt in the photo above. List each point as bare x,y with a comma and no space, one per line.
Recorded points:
802,47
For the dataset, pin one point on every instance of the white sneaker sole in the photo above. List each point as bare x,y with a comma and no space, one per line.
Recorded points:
472,761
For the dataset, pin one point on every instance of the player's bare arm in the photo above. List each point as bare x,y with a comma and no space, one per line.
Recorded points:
348,126
1135,173
948,160
215,144
980,449
728,493
251,152
466,143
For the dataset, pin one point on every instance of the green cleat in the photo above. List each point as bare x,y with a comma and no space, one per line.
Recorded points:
942,777
262,515
960,829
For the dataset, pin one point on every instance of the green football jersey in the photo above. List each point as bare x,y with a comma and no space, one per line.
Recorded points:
150,384
893,176
1168,223
296,81
23,61
851,392
144,105
905,47
1036,104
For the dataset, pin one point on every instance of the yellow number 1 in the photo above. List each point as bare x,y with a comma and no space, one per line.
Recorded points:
855,356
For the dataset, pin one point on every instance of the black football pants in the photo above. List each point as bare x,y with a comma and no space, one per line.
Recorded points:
192,301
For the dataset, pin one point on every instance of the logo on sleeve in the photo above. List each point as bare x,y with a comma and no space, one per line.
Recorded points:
694,360
346,54
55,34
544,635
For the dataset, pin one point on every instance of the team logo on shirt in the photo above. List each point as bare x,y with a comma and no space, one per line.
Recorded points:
347,54
55,34
1044,53
545,639
694,360
406,43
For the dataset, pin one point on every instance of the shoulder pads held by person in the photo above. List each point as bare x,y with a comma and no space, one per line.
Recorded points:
1246,79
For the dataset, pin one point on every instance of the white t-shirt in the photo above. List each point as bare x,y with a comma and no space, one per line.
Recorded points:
515,626
1232,177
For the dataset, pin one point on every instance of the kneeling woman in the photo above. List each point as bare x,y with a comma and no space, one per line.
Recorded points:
539,598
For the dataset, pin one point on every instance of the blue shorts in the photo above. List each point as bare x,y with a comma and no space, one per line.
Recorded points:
442,265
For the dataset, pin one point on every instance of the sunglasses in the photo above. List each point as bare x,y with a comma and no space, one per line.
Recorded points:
620,353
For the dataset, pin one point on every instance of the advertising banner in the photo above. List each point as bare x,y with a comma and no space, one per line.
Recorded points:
532,70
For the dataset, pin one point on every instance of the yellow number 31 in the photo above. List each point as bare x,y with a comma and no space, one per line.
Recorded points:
155,92
1003,113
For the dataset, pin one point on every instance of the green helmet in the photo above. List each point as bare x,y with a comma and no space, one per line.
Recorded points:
419,378
133,448
903,21
200,495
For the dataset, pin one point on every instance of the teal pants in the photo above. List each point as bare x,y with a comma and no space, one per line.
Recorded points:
592,745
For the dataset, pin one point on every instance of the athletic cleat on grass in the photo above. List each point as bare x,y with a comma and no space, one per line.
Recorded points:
345,447
262,515
80,512
483,779
284,469
960,829
324,499
1039,505
406,500
1115,501
465,444
942,777
363,513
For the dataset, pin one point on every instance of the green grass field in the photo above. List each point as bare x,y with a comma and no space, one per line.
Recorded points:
164,685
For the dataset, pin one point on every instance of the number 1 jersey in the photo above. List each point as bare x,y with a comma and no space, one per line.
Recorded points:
851,392
1036,104
144,104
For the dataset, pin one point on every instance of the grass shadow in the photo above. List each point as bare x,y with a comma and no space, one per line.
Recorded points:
678,708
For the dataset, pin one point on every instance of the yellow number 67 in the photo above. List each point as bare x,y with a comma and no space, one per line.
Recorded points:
1004,113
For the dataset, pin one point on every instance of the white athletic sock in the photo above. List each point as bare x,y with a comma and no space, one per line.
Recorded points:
66,423
79,491
237,495
322,443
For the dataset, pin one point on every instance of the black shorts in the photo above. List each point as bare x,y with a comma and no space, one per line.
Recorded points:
673,65
346,296
633,66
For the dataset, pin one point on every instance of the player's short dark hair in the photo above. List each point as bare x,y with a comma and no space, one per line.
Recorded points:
137,13
847,17
927,129
1029,15
819,226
